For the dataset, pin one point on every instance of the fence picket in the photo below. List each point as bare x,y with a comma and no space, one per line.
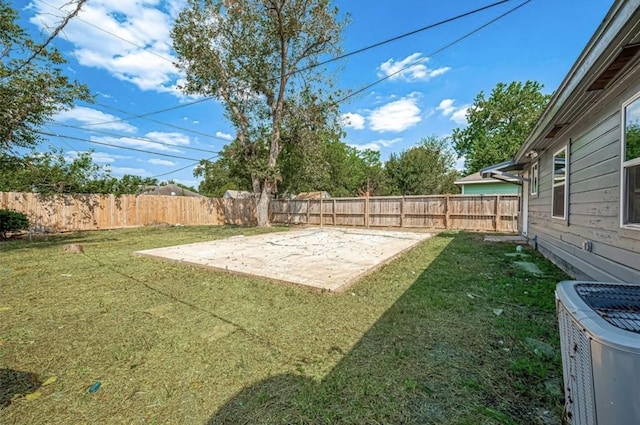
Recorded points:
92,212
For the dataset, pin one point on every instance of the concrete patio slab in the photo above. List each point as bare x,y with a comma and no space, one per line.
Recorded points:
328,259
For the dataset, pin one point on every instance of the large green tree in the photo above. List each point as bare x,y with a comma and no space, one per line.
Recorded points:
327,165
33,86
259,58
228,172
498,125
425,169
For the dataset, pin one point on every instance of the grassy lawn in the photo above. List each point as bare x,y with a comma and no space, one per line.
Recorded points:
450,333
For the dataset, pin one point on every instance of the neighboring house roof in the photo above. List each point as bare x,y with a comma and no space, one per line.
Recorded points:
236,194
170,190
313,195
476,178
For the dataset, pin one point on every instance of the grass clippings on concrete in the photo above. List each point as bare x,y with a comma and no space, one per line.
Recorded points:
442,335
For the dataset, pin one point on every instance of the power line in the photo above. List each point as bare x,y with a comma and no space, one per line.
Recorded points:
363,49
133,138
113,34
173,108
182,168
116,146
139,150
401,36
419,61
200,133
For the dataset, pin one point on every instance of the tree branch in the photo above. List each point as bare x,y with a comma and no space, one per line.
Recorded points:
38,50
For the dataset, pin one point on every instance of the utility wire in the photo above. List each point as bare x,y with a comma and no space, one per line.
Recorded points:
296,71
116,146
200,133
157,175
173,108
112,34
441,49
401,36
133,138
363,49
183,168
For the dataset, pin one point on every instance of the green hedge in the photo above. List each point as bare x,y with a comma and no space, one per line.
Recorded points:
12,221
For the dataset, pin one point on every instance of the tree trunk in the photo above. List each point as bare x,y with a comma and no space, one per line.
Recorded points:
262,207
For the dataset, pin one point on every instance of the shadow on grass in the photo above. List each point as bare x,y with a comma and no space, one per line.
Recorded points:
43,241
439,355
14,383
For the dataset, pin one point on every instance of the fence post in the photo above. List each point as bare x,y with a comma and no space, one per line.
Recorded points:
288,211
321,211
335,221
112,208
497,213
308,209
447,217
366,211
402,211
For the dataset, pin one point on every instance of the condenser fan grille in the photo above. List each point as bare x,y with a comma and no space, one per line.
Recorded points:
617,304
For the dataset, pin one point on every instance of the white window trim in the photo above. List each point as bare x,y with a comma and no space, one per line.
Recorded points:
565,148
535,178
624,164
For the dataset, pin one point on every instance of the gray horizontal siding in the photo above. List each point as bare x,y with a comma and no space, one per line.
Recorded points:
594,209
583,264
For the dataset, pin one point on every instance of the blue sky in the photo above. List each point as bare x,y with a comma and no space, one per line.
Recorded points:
122,50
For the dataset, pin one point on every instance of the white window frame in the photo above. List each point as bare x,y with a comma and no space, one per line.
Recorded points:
626,164
564,149
535,179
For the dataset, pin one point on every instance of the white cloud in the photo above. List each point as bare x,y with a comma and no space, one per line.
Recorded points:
174,139
158,161
353,120
396,116
86,115
446,106
121,171
439,71
457,114
370,146
460,115
387,142
376,145
225,136
99,33
459,165
97,157
170,138
404,70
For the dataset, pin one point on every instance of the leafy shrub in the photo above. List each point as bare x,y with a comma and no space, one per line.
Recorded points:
12,221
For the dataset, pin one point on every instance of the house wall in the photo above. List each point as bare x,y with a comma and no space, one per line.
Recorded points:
490,189
589,244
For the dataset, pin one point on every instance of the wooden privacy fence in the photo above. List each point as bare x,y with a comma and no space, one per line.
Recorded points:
464,212
91,212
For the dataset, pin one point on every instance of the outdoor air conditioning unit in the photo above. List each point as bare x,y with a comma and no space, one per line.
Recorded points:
600,340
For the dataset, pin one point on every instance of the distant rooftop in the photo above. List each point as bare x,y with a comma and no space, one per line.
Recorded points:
170,190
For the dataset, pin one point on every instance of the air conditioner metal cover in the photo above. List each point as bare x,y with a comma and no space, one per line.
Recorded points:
600,340
597,306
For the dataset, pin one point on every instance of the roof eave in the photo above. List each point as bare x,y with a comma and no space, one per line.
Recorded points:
600,42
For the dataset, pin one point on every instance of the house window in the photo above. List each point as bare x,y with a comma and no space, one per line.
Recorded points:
559,192
534,179
631,163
